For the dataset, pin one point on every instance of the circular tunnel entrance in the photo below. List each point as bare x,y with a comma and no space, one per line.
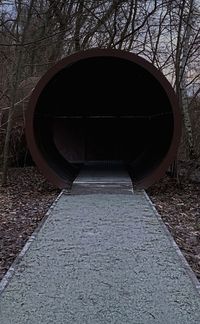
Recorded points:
100,105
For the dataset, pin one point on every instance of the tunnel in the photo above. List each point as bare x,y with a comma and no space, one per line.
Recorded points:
103,105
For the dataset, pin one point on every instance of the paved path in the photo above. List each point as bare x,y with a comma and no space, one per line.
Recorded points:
102,256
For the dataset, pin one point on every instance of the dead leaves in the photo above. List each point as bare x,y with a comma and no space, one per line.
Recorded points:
23,203
179,207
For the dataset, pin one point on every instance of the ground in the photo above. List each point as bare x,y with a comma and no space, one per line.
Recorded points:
28,196
23,203
179,207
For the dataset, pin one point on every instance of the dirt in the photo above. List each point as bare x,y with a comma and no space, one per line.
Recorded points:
179,207
28,196
23,203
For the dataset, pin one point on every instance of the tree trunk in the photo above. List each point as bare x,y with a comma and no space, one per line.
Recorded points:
182,92
16,79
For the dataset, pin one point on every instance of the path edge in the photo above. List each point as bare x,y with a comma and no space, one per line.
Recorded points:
12,269
181,256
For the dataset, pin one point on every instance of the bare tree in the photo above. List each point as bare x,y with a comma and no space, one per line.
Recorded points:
186,21
14,83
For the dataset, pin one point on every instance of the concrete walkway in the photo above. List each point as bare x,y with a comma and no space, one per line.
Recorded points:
102,256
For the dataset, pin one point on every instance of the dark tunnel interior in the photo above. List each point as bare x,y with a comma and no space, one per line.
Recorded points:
104,109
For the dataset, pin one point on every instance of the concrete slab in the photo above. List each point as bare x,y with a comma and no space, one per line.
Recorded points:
103,173
104,177
101,258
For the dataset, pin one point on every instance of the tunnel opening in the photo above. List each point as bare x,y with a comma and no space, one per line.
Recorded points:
102,107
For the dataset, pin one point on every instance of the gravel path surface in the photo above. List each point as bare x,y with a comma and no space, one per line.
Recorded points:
28,196
101,258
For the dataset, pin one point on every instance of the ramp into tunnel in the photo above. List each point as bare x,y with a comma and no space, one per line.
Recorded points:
103,105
